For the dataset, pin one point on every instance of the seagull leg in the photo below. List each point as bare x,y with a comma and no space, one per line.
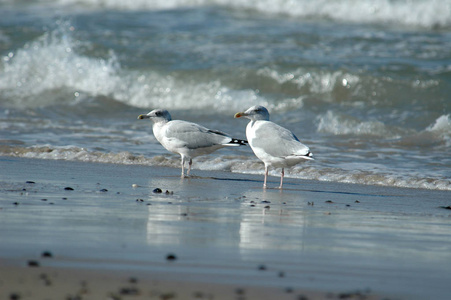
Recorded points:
266,176
190,163
183,167
281,178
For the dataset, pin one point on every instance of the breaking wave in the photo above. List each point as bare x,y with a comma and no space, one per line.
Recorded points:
50,71
418,13
232,163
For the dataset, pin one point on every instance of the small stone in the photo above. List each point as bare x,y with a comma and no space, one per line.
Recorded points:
47,254
68,188
262,268
129,291
281,274
267,207
169,192
139,200
64,198
33,263
30,182
14,296
16,203
329,201
171,257
104,190
240,291
135,185
43,199
133,280
357,201
157,191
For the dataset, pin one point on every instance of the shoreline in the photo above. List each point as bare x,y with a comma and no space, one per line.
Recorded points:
313,239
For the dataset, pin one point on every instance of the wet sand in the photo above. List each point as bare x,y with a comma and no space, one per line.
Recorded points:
103,231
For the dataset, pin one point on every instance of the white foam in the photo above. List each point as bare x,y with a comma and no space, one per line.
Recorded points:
320,82
442,128
338,124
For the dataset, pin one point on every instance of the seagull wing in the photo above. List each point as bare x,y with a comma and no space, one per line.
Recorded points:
277,141
194,136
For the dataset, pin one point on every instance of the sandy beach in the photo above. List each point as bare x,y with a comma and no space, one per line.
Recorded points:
74,230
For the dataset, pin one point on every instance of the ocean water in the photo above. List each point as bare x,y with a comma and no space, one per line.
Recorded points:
365,84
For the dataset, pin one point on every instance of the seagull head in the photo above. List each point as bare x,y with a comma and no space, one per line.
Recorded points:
254,113
157,115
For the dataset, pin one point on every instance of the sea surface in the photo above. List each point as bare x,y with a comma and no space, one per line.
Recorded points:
365,84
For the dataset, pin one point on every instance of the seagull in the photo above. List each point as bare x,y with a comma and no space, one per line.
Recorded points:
275,145
186,138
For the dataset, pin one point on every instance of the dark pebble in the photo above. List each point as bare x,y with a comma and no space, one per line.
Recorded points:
239,291
267,207
139,200
14,296
184,214
252,205
44,199
149,204
281,274
133,280
262,268
169,192
329,201
30,182
157,191
171,257
168,296
104,190
347,205
47,254
68,188
64,198
357,201
265,201
446,207
33,263
129,291
16,203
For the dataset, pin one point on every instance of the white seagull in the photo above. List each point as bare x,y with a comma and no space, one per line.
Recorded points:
186,138
274,145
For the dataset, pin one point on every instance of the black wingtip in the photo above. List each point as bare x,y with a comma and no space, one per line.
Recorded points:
239,142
